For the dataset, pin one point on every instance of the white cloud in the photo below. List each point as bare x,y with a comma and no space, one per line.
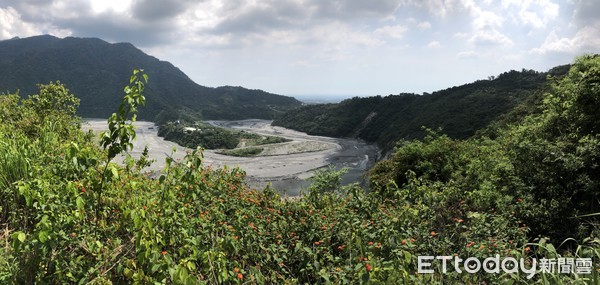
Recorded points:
114,5
343,34
434,44
485,19
511,58
208,35
467,54
534,13
424,25
555,44
440,8
301,63
490,37
344,9
586,39
11,25
486,27
396,31
328,42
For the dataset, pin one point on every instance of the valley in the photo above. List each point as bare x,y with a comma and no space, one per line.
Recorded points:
286,166
509,168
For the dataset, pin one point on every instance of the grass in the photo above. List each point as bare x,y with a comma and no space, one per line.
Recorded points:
242,152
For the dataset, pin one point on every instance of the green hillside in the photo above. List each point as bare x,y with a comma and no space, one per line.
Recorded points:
96,71
459,111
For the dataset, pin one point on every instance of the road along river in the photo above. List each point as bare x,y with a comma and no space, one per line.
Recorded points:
287,166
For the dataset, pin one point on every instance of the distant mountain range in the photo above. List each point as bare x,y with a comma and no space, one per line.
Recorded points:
459,111
96,72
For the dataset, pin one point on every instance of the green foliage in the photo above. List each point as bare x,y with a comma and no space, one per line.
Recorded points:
120,133
254,139
243,152
38,195
556,153
53,100
96,70
545,166
337,120
197,225
435,158
53,103
204,136
201,134
326,181
458,111
10,108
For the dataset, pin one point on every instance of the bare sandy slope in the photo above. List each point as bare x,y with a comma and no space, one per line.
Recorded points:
158,148
286,165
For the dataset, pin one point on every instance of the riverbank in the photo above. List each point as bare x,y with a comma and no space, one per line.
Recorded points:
285,168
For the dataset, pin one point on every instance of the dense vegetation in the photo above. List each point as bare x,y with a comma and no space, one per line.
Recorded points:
243,152
201,134
69,215
542,170
96,71
458,111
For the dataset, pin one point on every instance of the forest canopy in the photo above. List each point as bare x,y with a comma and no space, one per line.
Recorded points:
458,111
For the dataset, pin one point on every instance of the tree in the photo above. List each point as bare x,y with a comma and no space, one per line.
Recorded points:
54,99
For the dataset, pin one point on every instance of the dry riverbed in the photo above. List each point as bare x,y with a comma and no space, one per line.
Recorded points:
285,165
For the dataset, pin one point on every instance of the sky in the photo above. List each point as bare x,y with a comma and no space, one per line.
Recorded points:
327,47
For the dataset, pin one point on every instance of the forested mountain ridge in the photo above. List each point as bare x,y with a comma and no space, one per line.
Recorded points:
95,70
459,111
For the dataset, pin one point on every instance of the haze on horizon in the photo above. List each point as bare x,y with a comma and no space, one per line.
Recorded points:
352,47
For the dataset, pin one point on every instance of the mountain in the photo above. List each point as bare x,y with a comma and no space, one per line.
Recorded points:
96,72
459,111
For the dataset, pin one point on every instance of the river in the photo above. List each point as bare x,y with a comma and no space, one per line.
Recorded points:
287,169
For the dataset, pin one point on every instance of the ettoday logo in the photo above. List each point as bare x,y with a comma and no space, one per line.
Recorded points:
495,265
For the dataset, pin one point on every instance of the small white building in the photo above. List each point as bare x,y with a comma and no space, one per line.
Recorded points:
190,129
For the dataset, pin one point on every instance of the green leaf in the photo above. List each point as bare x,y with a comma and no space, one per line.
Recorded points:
115,172
307,249
155,268
80,203
182,274
191,266
550,248
128,273
407,257
21,236
43,236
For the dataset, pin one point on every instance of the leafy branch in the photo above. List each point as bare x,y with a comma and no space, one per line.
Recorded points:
121,131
